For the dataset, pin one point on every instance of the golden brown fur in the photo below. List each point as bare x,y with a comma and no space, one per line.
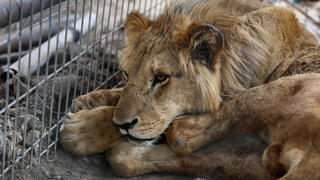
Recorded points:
197,74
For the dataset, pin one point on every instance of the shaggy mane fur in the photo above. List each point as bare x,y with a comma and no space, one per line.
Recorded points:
240,68
243,61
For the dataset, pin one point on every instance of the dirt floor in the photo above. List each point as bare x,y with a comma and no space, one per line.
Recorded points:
65,166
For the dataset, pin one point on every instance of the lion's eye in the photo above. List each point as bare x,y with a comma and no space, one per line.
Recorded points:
160,77
124,76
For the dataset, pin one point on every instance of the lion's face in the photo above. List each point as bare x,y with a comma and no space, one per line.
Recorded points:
155,93
160,82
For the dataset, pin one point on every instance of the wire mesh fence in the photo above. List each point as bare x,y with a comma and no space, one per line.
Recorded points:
50,52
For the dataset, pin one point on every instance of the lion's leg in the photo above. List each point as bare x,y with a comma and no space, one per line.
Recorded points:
90,131
238,157
128,159
188,134
254,110
104,97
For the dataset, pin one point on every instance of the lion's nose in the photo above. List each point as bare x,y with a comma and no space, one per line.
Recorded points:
129,125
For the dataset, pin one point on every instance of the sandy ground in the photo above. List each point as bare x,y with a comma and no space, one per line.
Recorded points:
67,166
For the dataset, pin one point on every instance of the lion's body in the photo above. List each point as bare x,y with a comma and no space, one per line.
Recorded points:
193,70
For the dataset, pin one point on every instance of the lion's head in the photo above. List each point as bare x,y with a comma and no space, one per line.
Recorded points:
171,67
166,72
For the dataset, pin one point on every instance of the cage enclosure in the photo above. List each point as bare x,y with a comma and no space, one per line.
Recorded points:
52,51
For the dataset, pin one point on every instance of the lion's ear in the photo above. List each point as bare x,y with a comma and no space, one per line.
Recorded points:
134,24
202,41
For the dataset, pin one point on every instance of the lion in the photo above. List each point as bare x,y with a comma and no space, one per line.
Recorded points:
201,72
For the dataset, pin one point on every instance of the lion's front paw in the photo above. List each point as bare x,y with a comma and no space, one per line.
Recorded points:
89,131
84,102
187,134
105,97
177,142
